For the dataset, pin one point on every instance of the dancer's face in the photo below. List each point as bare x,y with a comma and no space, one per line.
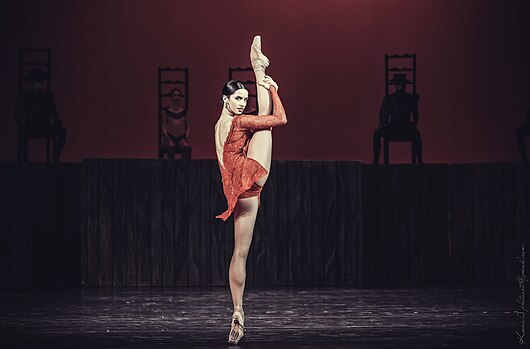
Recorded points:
237,101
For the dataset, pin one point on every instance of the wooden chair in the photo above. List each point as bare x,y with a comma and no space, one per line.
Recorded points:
30,58
169,78
398,138
409,69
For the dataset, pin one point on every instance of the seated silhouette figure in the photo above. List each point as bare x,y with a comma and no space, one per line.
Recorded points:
36,115
394,118
175,130
523,130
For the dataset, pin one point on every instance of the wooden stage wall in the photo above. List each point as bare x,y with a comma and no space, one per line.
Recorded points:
151,222
321,223
444,224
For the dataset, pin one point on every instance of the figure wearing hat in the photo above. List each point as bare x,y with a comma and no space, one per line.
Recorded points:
395,117
36,114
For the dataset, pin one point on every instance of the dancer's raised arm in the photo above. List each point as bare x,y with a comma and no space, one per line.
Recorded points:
259,122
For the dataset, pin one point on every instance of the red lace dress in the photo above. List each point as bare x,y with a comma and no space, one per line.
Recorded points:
240,172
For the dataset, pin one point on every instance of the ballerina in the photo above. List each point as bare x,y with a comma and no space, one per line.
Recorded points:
244,152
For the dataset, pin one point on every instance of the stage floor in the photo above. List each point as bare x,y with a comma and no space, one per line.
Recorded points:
275,318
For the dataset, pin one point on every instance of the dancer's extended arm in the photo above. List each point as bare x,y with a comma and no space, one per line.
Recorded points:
259,122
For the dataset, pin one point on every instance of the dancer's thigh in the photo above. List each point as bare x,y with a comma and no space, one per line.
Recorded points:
244,219
260,149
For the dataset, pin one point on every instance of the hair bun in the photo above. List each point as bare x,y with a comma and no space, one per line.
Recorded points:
230,87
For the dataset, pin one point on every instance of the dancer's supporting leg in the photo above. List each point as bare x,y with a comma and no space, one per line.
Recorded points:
246,210
260,146
244,218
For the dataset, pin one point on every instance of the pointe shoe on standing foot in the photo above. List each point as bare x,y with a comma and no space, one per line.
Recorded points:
258,60
238,327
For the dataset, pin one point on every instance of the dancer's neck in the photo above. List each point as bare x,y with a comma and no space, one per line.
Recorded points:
226,113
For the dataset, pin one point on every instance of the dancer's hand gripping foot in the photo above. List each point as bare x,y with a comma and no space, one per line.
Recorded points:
238,327
267,82
258,60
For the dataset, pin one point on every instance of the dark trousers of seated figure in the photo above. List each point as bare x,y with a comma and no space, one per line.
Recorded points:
390,130
520,133
58,134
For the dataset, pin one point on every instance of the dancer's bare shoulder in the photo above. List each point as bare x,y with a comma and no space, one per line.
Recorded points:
222,128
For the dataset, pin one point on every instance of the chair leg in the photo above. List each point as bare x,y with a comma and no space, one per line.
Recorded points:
47,149
19,144
386,152
19,149
22,149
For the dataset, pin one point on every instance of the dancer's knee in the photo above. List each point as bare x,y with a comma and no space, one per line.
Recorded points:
241,253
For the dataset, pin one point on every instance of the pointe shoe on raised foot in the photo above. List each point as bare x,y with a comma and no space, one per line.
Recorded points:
237,330
258,60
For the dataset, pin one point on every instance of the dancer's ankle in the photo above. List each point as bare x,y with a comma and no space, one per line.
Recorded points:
258,66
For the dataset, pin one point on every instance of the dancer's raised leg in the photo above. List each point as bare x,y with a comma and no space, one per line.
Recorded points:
260,146
259,63
244,219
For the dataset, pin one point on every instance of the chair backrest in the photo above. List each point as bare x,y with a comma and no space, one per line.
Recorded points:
246,76
32,58
169,78
409,68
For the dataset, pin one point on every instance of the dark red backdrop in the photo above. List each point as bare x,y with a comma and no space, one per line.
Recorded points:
473,71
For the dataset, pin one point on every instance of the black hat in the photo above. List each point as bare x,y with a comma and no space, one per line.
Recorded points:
399,79
36,75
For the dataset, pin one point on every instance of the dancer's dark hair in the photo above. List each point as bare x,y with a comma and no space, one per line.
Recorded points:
230,87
